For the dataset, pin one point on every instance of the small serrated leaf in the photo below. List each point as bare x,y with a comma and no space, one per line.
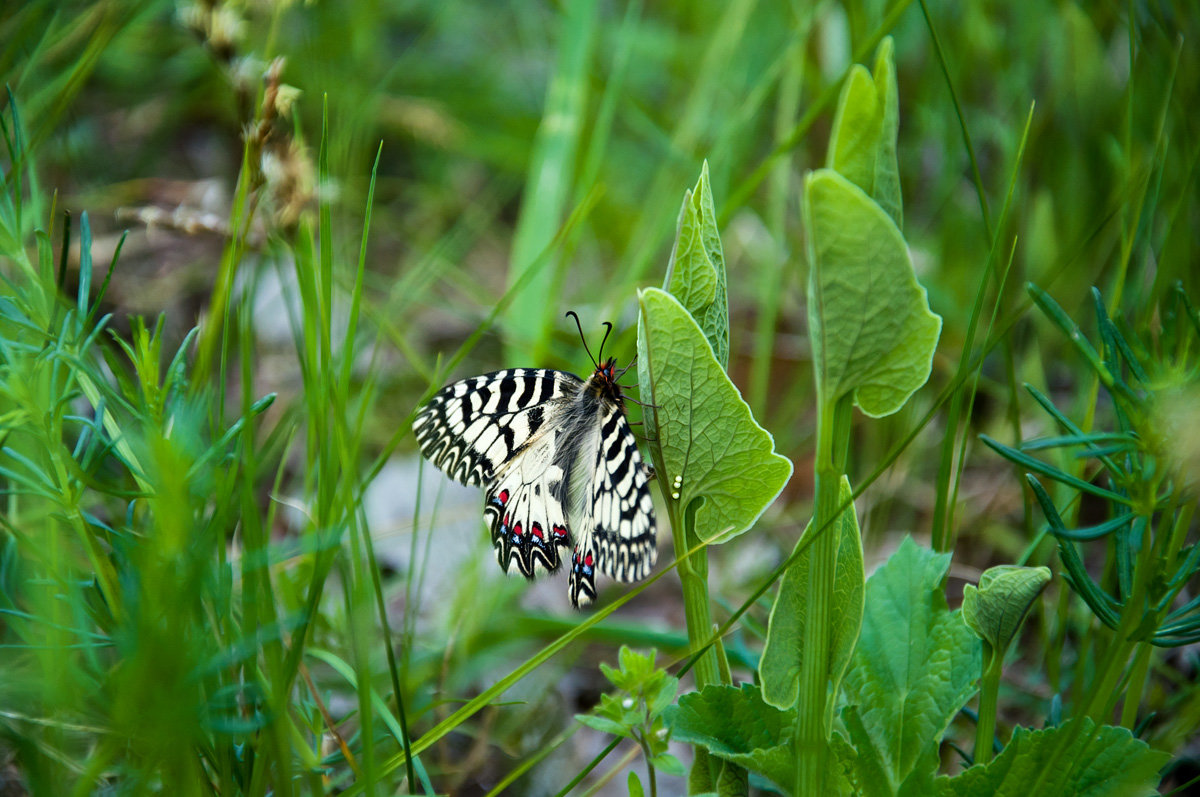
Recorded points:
661,694
604,725
1099,762
668,764
916,662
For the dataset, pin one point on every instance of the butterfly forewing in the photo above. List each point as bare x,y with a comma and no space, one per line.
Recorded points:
560,466
472,427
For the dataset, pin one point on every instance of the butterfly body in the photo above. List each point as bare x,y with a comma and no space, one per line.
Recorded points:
560,468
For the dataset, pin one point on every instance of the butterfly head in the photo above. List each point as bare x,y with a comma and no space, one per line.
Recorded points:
604,381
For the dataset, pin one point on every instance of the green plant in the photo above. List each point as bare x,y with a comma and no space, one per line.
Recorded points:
1146,495
995,611
873,340
635,711
716,467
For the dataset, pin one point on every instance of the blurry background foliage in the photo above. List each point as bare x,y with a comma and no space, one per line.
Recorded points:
561,136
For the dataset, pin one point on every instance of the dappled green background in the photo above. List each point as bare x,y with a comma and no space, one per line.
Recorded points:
563,136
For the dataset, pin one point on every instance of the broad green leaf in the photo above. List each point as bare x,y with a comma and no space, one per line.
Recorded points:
736,725
779,668
914,667
696,271
634,785
997,608
700,779
861,764
871,328
862,144
1099,761
728,472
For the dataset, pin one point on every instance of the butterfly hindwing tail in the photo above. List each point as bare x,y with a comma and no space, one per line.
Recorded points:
581,584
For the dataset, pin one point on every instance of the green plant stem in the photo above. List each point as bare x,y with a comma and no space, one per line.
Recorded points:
647,754
1113,664
693,575
1104,691
1136,685
989,691
812,721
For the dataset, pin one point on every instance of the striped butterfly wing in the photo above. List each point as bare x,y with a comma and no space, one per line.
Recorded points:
524,508
470,428
560,467
612,513
501,431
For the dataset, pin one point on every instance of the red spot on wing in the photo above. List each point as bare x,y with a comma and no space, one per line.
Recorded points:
503,500
536,530
558,531
587,560
517,529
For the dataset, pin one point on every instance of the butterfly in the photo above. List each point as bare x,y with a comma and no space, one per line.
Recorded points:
559,465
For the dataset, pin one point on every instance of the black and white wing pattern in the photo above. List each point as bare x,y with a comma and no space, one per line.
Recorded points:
560,467
472,427
611,509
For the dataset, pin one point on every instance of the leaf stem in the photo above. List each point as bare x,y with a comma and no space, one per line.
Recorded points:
693,575
989,690
812,715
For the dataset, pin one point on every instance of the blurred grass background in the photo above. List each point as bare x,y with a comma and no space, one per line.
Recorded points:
534,153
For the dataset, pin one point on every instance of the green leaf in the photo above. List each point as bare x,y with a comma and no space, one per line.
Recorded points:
996,610
871,328
635,785
696,271
604,725
737,726
779,668
1097,761
862,767
914,667
728,470
669,764
862,144
660,693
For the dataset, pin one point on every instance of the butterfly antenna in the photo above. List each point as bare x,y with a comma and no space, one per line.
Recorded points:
583,338
608,325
